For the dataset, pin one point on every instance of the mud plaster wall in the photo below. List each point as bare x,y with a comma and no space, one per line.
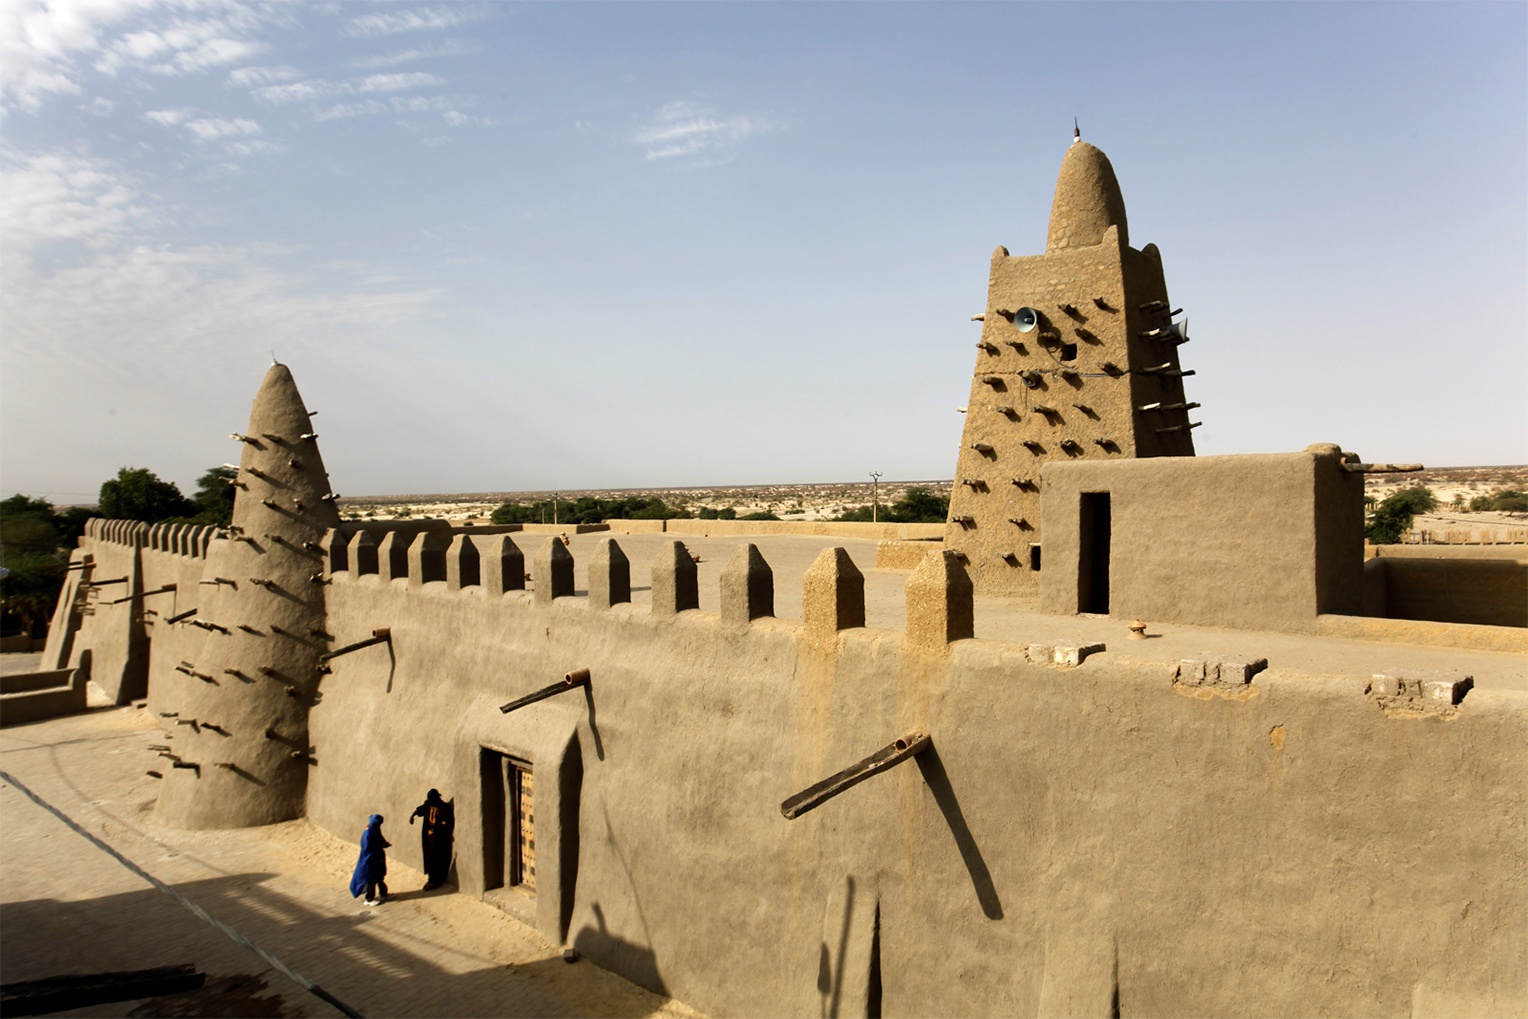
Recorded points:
118,635
1493,592
1075,834
1182,530
1080,401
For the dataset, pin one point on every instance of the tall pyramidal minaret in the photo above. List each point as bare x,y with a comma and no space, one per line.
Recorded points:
1078,360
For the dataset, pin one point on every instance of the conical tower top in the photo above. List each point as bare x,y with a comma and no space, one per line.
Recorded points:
1088,201
285,483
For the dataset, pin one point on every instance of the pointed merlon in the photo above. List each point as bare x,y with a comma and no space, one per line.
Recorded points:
939,603
553,571
676,583
609,575
426,559
393,557
832,595
463,569
362,554
502,565
747,586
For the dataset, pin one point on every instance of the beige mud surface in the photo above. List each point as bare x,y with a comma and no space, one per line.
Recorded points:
68,907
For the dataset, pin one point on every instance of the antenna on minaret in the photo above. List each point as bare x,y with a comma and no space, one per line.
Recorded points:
1076,132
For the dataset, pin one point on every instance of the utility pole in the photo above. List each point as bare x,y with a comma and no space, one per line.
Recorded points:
875,498
554,506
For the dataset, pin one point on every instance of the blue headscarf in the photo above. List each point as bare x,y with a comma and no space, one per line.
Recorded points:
372,864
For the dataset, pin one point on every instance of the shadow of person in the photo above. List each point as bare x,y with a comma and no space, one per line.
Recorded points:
932,767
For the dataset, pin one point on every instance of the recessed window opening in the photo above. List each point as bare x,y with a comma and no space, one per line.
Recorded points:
1034,558
1068,352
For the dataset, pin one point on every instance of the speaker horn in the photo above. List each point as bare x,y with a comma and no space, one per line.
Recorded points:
1176,332
1025,319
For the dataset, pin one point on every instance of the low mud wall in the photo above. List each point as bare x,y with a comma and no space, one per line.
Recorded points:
1484,591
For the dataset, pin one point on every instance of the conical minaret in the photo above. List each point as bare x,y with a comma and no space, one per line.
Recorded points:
241,732
1078,360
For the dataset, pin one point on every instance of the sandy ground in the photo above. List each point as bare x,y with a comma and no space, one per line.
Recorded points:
67,907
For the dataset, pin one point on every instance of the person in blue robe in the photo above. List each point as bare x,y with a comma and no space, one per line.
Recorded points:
371,869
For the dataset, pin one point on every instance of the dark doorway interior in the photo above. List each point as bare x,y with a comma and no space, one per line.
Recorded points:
1093,554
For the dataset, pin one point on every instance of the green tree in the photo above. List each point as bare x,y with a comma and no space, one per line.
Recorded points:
214,496
1505,500
137,494
1395,514
30,552
921,506
587,510
918,505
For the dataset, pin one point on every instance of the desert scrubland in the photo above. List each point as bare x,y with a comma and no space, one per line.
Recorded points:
1454,488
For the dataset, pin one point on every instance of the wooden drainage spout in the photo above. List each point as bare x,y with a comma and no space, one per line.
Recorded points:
889,756
1382,468
577,678
380,636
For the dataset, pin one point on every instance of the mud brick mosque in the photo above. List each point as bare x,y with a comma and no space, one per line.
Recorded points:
765,816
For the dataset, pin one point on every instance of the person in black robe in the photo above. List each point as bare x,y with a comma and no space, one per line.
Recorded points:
436,837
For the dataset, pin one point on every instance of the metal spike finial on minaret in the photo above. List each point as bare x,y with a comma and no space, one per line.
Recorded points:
1076,132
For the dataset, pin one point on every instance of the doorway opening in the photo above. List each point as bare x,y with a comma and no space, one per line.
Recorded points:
509,822
1093,554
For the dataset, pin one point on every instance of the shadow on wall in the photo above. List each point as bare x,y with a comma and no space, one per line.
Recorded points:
46,937
632,961
832,985
938,782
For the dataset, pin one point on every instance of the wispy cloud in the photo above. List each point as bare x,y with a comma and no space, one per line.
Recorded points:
344,111
252,77
55,197
450,48
301,91
170,118
39,43
694,133
424,19
210,129
371,107
321,88
398,82
205,130
254,147
45,46
184,47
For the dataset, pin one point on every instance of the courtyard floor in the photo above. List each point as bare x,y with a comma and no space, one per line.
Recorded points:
67,907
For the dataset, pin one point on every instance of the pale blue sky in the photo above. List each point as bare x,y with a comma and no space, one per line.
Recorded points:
511,247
